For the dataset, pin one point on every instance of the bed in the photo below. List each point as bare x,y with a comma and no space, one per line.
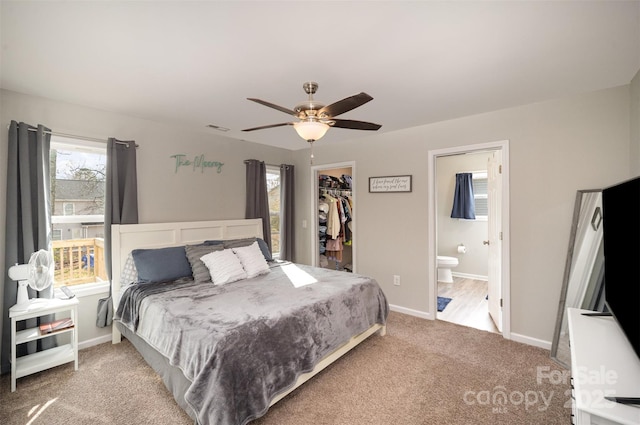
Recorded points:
227,352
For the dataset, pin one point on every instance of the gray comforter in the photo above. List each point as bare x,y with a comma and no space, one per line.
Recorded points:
243,343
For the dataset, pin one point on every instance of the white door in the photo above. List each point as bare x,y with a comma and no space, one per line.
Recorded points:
494,195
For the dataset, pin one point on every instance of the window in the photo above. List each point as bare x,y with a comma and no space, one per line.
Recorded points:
480,192
78,178
273,194
68,209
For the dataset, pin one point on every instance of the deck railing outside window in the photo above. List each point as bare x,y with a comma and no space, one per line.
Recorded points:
78,261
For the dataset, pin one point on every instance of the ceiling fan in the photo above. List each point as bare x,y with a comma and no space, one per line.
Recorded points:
315,118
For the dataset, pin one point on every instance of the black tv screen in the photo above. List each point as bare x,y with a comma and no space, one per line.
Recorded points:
621,233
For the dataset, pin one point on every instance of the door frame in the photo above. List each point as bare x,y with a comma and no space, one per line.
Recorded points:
494,226
315,169
432,225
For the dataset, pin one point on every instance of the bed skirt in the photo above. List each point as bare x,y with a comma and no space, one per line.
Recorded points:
173,378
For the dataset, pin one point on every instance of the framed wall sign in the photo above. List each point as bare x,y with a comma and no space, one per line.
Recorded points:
390,184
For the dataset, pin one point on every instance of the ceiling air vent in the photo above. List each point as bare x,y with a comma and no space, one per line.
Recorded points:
217,127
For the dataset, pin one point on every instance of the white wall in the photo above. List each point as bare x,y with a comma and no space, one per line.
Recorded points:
556,148
163,194
452,231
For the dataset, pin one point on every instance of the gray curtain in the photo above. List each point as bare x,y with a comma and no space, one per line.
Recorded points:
121,207
257,204
287,216
28,227
464,205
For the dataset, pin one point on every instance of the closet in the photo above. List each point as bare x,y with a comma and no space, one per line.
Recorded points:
335,218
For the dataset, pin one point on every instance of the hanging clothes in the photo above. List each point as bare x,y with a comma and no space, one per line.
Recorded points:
334,245
346,206
334,249
335,217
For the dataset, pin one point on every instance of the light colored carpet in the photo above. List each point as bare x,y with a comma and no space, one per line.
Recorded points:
421,372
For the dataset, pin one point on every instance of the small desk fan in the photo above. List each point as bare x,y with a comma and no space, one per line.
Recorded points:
37,273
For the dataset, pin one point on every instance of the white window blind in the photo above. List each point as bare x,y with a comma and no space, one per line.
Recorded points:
480,191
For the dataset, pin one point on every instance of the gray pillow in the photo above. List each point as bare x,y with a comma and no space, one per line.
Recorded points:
239,243
265,249
213,242
198,268
161,264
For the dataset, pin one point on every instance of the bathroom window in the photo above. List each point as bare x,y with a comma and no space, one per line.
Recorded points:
480,185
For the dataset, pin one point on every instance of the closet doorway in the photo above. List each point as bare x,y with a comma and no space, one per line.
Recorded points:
333,191
484,240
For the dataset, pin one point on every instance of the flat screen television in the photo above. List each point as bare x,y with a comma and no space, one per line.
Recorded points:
621,234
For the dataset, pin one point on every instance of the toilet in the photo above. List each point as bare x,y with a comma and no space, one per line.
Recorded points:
445,264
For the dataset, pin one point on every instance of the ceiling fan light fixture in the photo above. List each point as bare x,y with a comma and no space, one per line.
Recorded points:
311,130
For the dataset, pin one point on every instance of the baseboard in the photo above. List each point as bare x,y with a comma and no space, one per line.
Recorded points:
514,336
469,276
531,341
95,341
411,312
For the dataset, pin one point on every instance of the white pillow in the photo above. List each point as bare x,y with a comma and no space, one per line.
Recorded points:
252,259
224,267
129,273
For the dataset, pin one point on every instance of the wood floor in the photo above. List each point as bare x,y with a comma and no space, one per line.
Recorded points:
468,306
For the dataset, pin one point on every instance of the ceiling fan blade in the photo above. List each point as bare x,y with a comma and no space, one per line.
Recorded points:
268,126
355,125
345,105
271,105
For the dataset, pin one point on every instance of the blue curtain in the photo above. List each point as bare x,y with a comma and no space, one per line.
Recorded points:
463,203
28,225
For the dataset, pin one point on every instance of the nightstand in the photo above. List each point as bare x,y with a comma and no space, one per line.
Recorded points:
36,362
602,364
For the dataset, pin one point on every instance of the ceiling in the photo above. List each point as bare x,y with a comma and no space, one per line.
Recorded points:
195,63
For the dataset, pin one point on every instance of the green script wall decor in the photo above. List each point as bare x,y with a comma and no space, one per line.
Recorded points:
198,163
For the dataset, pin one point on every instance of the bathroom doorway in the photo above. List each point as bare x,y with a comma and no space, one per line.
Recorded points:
473,253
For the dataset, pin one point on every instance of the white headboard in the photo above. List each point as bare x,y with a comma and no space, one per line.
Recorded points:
127,237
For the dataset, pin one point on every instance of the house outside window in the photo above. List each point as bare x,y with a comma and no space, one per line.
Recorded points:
273,195
78,178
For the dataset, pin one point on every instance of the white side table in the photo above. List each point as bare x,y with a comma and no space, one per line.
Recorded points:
36,362
602,364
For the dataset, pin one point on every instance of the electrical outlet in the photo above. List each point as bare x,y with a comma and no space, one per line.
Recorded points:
396,280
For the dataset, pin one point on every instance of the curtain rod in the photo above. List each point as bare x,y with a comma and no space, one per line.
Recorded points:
246,161
73,136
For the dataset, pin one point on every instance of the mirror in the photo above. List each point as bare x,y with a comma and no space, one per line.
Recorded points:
583,283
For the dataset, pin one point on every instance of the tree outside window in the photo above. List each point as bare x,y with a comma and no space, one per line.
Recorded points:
273,194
